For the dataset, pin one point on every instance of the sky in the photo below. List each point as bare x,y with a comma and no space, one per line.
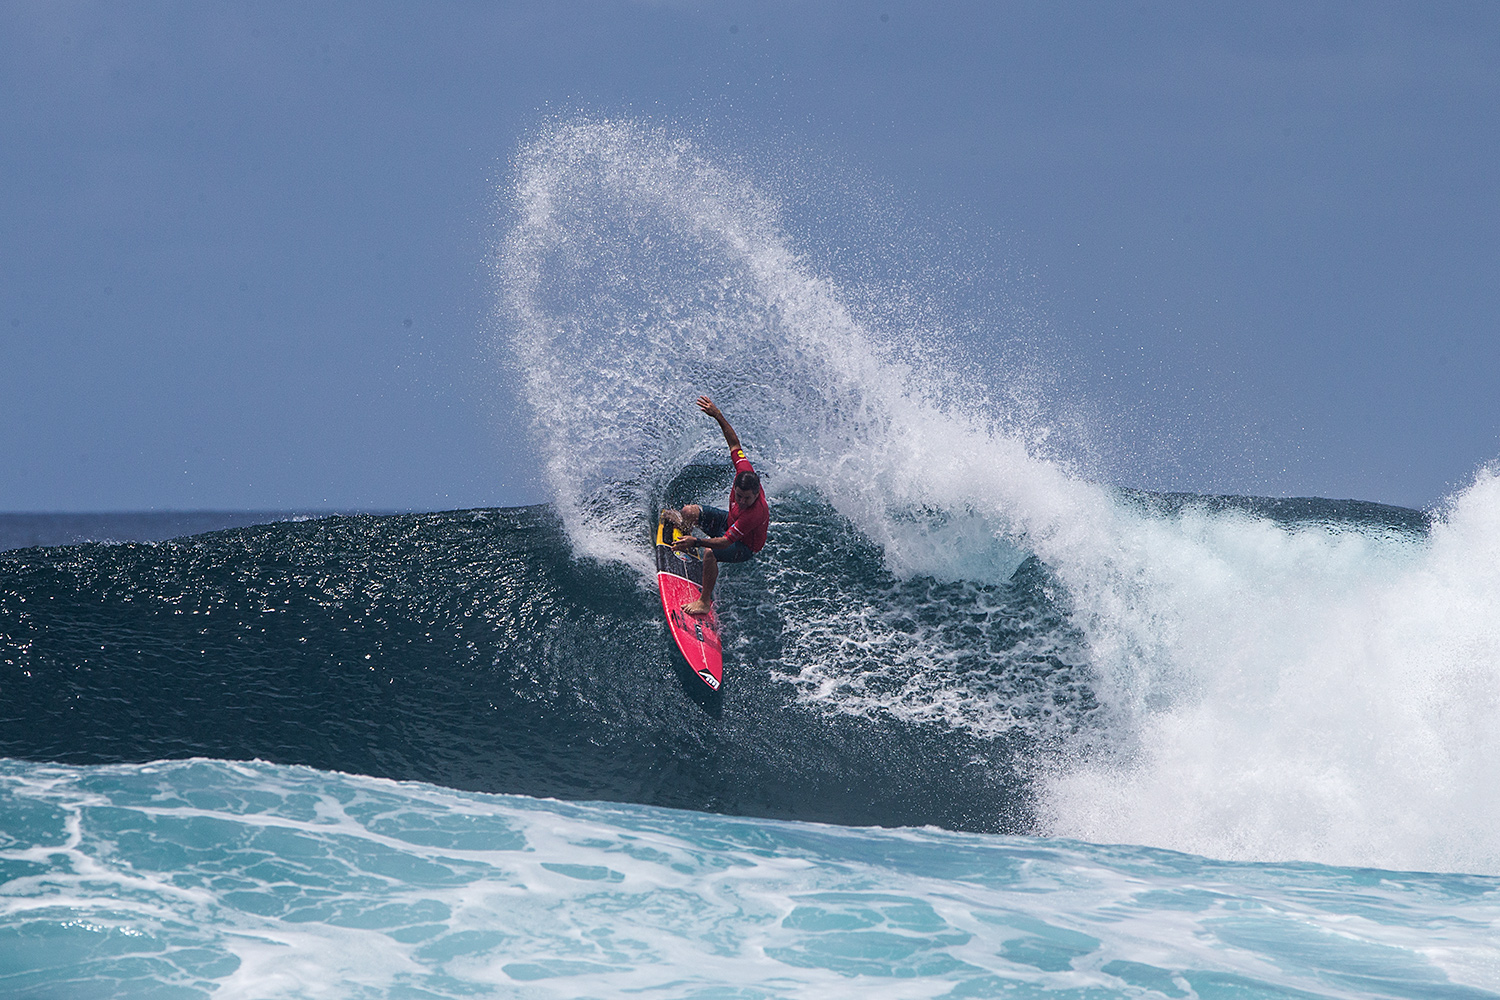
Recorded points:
245,249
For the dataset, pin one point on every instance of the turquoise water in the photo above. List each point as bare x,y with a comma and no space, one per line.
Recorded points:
208,878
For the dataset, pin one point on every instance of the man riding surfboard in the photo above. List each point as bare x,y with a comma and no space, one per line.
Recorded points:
735,534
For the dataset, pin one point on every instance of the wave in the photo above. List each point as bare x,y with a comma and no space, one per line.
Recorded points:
1266,688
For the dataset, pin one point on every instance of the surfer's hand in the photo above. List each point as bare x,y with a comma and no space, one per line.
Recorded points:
707,406
684,543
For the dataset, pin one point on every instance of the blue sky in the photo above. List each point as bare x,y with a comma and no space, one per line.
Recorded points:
243,247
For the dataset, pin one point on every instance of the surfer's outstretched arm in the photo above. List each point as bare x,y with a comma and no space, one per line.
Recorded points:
730,437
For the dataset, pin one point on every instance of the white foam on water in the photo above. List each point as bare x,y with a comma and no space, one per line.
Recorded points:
255,880
1273,691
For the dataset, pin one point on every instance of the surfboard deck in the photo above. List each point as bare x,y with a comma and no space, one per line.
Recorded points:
679,577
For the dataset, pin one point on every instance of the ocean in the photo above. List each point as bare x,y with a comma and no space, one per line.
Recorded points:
989,726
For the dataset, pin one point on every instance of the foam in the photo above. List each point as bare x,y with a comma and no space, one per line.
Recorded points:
1337,699
256,880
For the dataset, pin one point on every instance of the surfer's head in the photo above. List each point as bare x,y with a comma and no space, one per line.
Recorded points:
747,486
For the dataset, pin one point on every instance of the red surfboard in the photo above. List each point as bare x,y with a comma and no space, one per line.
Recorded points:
679,577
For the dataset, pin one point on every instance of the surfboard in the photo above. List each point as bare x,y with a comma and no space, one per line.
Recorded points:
679,577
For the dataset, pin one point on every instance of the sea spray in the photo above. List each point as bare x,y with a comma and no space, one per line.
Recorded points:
638,275
1272,688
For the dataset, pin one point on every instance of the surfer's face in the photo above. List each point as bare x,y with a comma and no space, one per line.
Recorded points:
746,498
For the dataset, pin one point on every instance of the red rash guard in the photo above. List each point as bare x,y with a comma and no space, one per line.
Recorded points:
747,525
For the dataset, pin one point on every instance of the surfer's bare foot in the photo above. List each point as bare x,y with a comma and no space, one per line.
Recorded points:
699,607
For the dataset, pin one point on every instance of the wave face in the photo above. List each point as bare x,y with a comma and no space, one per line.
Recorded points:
203,878
470,649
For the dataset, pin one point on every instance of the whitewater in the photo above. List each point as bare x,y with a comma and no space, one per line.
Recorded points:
990,726
204,878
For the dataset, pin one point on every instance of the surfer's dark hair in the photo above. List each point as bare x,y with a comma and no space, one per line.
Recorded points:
747,481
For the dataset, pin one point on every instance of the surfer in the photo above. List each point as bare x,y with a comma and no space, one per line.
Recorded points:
736,534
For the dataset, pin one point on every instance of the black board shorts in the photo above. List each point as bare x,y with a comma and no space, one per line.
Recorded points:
715,522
